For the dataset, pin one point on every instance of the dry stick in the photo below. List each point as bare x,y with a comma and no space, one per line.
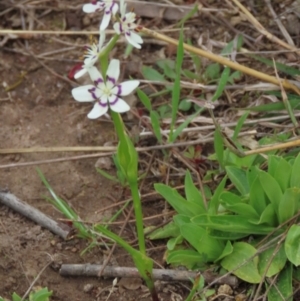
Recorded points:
224,61
262,30
158,274
33,214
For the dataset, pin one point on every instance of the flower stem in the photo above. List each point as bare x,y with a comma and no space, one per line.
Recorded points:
138,215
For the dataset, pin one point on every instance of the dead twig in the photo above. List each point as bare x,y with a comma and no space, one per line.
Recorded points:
33,214
92,270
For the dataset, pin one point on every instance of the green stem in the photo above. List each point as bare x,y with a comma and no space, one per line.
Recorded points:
138,215
119,125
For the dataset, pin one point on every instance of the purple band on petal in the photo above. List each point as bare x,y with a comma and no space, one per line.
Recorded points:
102,104
119,89
111,79
92,91
98,81
114,102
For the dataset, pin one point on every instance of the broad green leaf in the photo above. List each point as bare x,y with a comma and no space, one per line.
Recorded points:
277,264
192,193
41,295
185,105
268,217
222,83
214,202
156,125
181,205
151,74
181,219
295,175
235,76
169,230
284,284
242,253
189,74
219,147
289,204
292,246
280,170
226,251
237,161
235,204
271,188
201,241
212,71
144,99
238,178
257,197
188,258
226,235
172,242
168,66
16,297
230,223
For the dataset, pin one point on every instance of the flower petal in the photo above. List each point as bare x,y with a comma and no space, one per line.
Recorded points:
105,20
97,111
95,75
117,27
113,71
80,73
90,8
126,88
119,105
134,39
82,93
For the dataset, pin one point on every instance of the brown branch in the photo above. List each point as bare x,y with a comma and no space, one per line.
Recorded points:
33,214
92,270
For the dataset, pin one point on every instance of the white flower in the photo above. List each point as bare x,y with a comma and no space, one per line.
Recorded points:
106,93
91,56
110,7
127,26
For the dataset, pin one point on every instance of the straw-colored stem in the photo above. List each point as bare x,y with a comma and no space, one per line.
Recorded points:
224,61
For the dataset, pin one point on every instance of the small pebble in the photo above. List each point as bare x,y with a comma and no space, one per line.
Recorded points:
88,287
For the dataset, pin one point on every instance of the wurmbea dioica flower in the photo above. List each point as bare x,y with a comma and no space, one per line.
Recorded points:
126,25
91,56
110,8
105,92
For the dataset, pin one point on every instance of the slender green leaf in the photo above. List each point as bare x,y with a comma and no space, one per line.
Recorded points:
239,125
280,170
219,147
233,45
176,89
222,83
268,216
242,255
226,251
144,99
277,106
172,242
257,197
212,71
156,125
107,175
